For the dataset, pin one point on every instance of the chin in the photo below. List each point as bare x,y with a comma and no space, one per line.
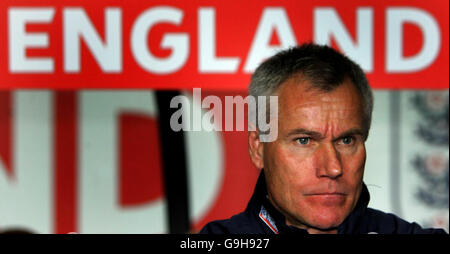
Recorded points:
326,220
325,225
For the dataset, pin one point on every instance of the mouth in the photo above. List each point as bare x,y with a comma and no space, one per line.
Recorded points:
327,198
327,194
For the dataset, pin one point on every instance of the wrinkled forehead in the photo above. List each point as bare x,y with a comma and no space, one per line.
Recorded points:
302,103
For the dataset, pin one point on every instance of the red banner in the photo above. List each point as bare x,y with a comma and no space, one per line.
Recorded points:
74,44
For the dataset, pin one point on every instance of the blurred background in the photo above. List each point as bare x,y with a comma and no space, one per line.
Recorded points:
85,92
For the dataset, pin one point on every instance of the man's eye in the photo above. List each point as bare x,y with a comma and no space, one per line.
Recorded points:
303,141
347,140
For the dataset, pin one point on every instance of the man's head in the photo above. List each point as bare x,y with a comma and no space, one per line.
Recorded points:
314,169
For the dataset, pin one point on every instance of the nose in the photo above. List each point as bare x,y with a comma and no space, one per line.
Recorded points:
330,164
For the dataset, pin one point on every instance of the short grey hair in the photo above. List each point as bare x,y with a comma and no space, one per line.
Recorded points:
321,65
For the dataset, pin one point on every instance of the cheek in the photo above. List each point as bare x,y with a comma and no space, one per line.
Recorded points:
354,165
290,173
292,165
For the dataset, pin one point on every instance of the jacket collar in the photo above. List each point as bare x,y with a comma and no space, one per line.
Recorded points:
260,204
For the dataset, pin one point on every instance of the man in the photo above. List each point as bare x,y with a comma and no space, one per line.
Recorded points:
312,175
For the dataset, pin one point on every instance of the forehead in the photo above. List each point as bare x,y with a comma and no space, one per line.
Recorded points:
302,106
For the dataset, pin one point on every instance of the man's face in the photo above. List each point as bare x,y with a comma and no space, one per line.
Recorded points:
314,169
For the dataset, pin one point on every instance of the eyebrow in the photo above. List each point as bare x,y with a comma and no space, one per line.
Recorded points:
318,135
298,131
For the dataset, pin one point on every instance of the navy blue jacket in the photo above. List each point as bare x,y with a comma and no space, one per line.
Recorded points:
260,217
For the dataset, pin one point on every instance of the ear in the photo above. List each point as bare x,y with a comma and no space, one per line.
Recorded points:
256,149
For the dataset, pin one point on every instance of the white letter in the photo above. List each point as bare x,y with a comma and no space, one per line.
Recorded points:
396,17
99,209
327,24
268,132
27,198
208,62
77,25
240,102
19,40
197,111
183,113
99,148
178,43
273,19
215,113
